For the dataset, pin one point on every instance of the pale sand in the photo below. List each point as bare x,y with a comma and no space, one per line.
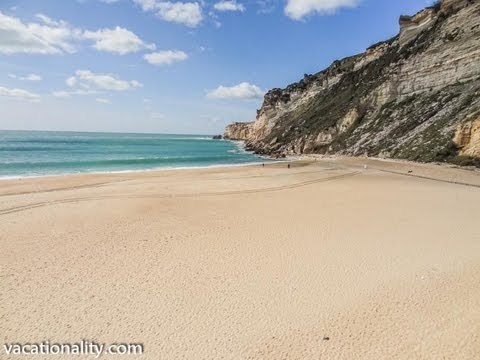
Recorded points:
248,263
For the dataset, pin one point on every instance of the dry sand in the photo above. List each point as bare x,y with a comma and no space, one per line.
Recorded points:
326,260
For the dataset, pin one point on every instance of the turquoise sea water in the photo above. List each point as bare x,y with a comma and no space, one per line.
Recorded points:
33,153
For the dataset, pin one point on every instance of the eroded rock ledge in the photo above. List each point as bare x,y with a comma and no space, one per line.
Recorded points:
410,97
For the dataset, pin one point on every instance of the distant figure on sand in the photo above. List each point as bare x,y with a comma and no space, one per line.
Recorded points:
288,166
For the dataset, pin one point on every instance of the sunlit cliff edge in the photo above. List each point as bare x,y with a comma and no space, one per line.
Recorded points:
415,96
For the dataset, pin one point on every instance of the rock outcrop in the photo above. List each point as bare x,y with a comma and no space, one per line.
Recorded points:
467,138
415,96
237,131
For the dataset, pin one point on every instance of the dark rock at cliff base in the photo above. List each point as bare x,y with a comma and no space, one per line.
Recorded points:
415,96
217,137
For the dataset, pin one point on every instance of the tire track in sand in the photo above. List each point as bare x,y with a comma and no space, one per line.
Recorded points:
16,209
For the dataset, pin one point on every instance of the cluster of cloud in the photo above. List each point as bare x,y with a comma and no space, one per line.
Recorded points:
242,91
49,36
191,13
186,13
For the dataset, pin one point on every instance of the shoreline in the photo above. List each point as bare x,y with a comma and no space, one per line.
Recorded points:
269,161
445,173
133,171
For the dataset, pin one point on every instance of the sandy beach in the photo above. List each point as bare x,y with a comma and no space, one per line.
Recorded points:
330,259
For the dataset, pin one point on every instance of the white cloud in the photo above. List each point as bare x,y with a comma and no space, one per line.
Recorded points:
186,13
87,80
19,94
165,57
47,37
229,5
243,90
298,9
118,40
103,101
30,77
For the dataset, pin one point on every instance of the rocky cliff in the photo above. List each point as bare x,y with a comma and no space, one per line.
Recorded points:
415,96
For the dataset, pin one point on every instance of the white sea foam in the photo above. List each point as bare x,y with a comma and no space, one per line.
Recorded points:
170,168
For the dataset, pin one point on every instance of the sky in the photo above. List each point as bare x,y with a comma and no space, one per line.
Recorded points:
159,66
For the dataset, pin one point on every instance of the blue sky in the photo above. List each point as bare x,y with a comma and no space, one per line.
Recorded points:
170,67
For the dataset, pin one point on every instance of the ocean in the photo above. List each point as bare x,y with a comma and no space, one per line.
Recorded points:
36,153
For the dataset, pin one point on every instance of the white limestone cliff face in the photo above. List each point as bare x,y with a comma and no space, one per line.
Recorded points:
404,97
